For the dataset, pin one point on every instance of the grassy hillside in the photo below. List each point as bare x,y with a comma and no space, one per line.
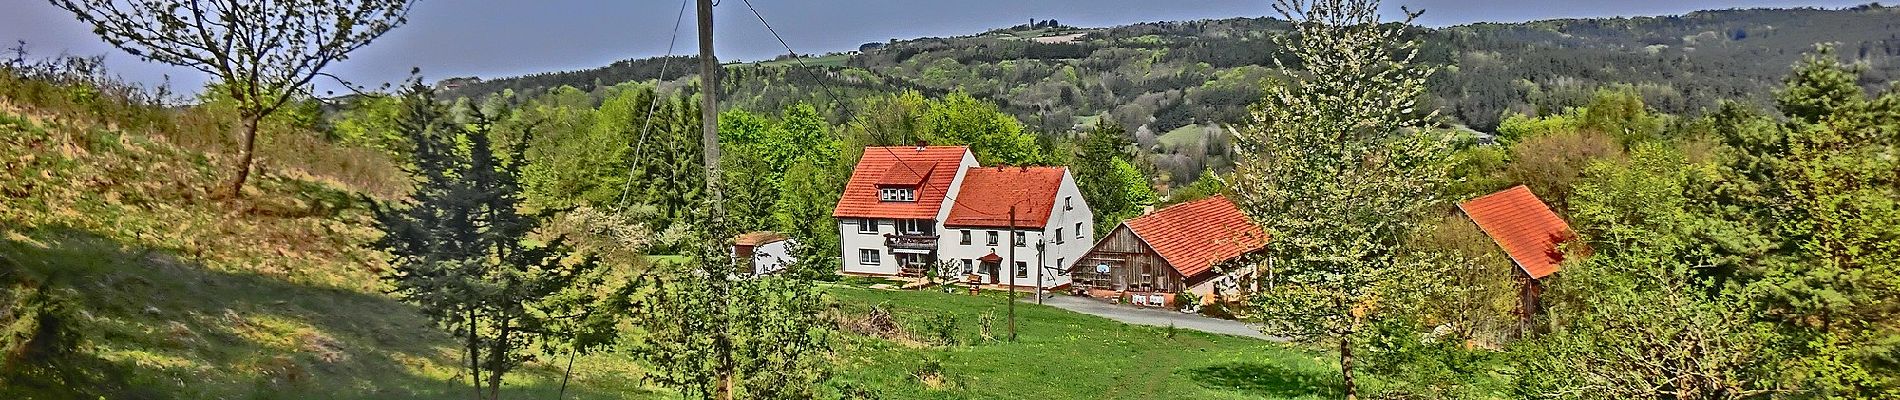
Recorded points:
167,293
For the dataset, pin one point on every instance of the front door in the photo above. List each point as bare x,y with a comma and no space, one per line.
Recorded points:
990,271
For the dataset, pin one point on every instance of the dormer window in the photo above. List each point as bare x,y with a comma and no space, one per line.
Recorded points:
897,194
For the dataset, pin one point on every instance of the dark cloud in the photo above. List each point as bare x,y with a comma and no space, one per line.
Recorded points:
500,38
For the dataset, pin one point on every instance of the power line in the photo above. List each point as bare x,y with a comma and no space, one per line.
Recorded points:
640,149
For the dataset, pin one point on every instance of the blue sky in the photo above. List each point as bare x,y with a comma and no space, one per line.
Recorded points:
495,38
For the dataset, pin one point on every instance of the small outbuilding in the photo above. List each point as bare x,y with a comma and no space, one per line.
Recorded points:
1529,232
1170,251
770,252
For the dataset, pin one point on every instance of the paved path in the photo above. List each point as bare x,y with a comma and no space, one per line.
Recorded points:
1153,316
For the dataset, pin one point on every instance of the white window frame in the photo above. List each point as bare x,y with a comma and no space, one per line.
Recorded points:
897,194
1022,239
1068,202
1022,269
993,239
867,225
966,237
1078,231
1058,235
869,257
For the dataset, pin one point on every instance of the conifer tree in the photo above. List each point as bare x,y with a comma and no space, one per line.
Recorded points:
460,245
1812,227
1113,187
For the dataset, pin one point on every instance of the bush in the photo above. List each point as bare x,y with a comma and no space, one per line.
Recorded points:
1187,301
940,328
985,322
1217,310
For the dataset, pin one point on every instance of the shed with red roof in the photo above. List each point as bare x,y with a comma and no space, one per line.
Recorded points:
1173,250
1528,231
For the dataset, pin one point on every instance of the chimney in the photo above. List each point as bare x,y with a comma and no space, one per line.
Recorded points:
922,144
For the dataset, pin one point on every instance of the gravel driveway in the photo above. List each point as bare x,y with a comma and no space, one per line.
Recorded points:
1153,316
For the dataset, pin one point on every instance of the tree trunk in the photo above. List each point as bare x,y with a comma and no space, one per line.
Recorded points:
561,395
247,146
724,392
1345,368
474,357
498,359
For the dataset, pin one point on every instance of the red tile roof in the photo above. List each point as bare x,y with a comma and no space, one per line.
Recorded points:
1194,236
988,192
758,238
907,173
1521,224
860,193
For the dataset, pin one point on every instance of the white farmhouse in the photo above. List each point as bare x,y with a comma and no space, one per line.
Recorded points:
907,208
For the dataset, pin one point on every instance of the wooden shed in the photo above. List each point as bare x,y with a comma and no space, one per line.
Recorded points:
1169,251
1529,232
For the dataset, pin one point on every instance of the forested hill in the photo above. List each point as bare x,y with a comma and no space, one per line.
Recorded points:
1173,83
1171,74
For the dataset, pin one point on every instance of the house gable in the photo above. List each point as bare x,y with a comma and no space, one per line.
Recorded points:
988,192
930,171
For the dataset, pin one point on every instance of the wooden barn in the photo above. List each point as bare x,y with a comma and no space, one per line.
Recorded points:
1147,260
1529,232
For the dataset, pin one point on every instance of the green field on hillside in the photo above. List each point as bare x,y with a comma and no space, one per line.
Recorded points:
833,60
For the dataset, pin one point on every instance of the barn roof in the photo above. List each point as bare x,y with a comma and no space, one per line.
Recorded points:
988,192
1524,226
1196,235
930,168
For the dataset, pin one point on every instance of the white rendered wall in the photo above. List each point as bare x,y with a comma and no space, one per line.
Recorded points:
1072,247
850,241
771,257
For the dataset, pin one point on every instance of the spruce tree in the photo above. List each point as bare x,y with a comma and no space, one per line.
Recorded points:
460,245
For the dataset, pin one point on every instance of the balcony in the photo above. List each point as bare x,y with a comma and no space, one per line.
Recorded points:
918,242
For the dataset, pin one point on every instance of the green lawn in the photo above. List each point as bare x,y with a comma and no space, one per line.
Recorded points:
1191,135
1064,355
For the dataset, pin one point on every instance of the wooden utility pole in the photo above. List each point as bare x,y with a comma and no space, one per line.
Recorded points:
709,142
1012,272
709,104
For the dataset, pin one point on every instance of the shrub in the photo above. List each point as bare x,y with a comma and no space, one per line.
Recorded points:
941,328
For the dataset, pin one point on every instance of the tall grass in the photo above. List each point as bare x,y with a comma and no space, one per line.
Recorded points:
76,91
